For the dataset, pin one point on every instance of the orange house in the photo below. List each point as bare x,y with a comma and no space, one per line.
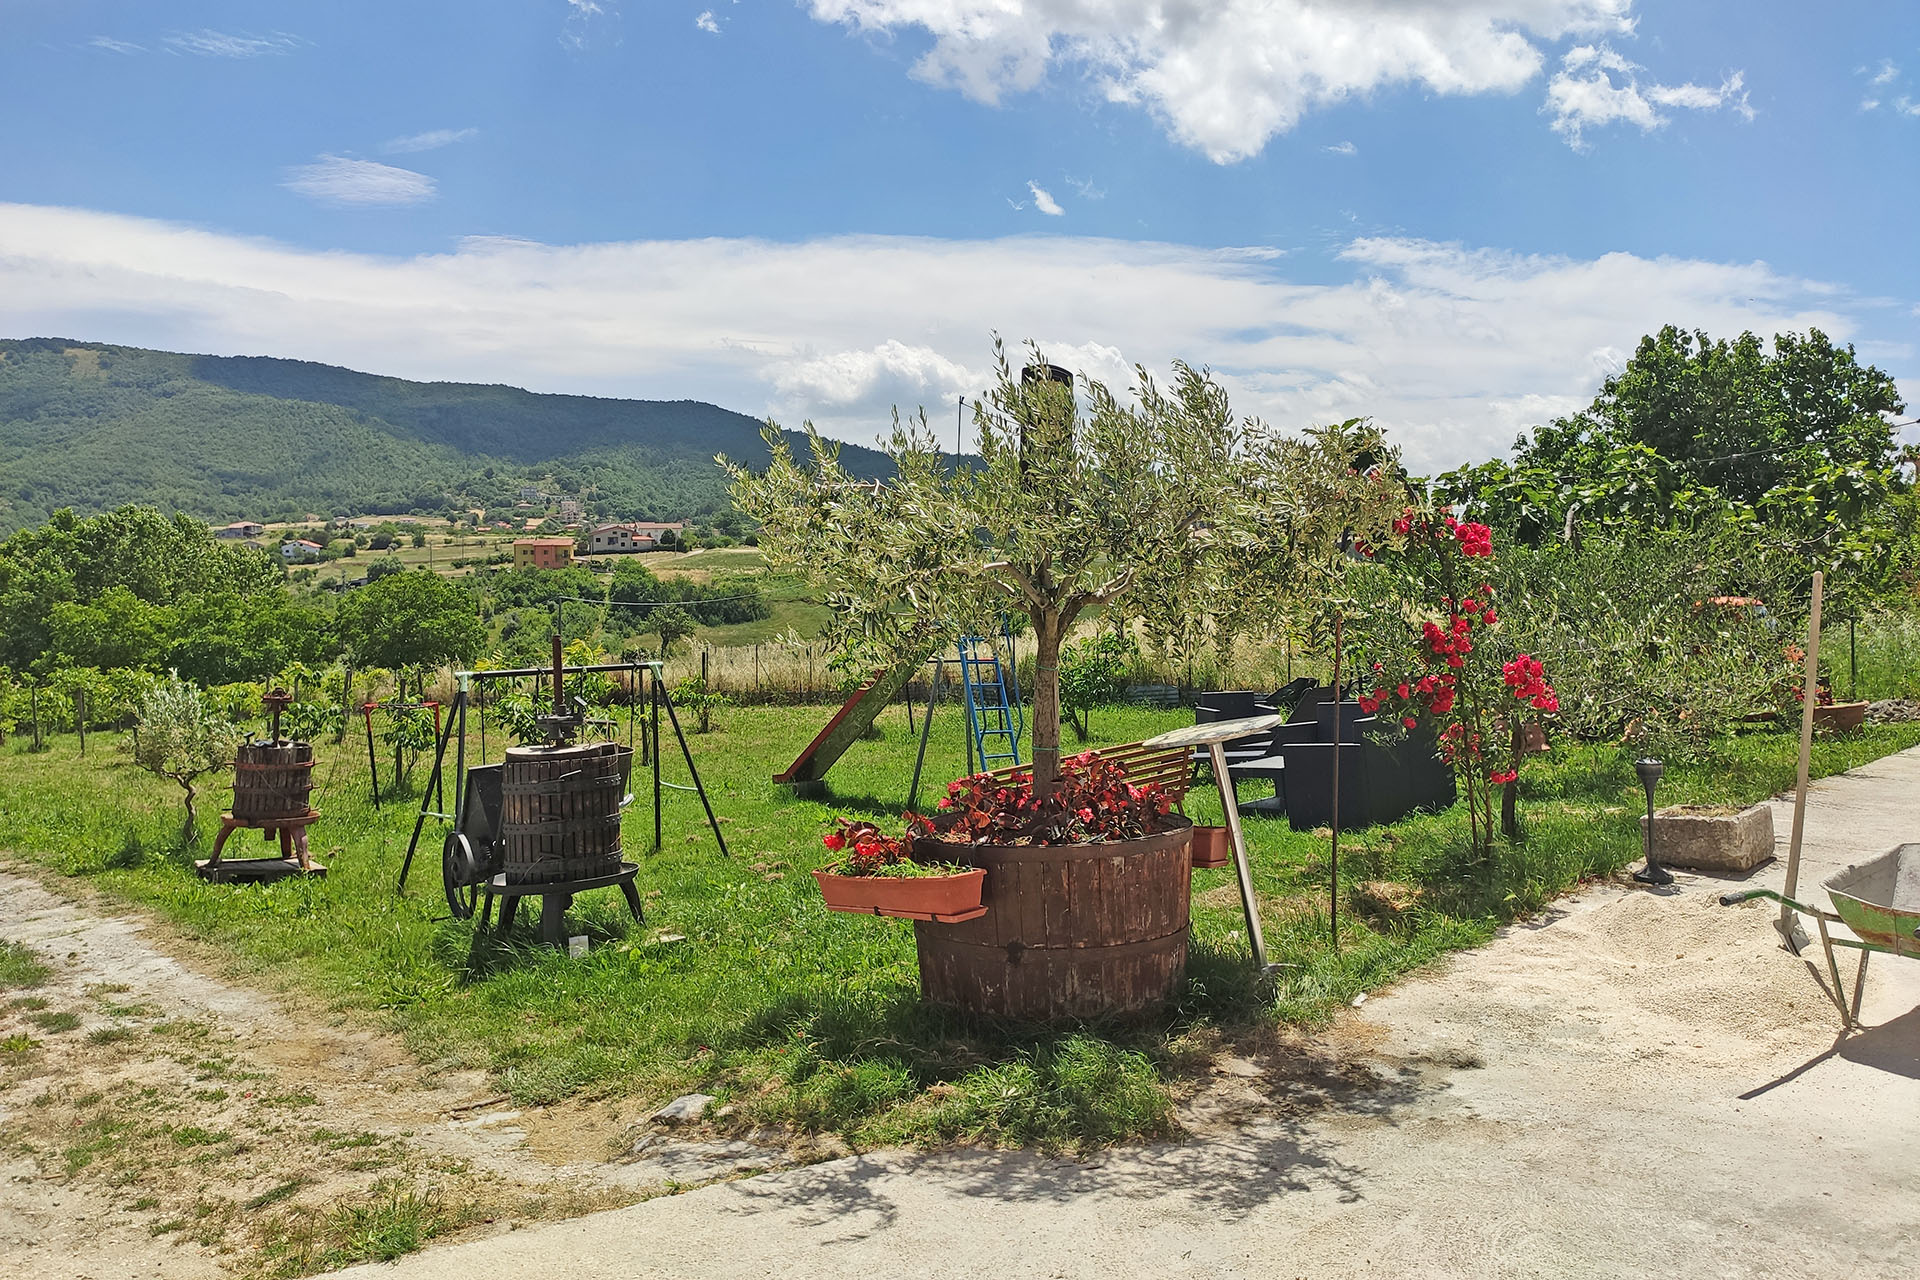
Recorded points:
542,553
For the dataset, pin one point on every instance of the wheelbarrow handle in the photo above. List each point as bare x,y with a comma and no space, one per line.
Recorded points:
1734,899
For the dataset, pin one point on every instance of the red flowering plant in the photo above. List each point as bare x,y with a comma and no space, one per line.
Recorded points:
1436,660
1092,802
865,850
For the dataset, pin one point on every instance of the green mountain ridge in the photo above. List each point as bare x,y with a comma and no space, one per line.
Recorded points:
92,425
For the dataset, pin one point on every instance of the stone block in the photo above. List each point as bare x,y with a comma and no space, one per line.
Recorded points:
1711,837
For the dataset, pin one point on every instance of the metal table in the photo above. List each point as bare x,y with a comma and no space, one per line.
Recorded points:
1214,737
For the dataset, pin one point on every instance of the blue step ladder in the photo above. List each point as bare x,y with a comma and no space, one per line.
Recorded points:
993,719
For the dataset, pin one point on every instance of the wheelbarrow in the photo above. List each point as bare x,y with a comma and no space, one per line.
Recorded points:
1879,900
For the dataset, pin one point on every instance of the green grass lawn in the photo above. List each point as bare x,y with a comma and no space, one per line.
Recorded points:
797,1015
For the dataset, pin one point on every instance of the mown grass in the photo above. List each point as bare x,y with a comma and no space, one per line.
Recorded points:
801,1017
1877,657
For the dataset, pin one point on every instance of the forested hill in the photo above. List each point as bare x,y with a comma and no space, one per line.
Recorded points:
91,426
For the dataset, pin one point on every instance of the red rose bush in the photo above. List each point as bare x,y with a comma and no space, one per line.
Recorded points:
1447,672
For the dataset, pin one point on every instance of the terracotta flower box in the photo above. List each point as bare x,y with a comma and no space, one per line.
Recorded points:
1712,837
1840,717
944,899
1212,847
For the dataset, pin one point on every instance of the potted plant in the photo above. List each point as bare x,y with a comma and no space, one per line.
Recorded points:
875,874
1087,894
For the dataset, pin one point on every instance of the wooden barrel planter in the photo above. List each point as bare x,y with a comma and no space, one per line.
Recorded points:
1071,931
272,780
560,812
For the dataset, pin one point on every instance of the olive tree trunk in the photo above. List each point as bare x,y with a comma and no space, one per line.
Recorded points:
1047,629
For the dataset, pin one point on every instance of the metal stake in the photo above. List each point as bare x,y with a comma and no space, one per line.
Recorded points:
1333,905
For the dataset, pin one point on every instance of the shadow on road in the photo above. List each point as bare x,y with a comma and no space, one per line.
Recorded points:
1228,1176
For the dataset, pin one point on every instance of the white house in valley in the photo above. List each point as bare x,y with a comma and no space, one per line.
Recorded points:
638,535
299,550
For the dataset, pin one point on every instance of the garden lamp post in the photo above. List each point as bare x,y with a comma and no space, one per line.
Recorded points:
1653,872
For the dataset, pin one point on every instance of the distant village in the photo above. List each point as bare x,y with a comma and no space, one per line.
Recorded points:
555,533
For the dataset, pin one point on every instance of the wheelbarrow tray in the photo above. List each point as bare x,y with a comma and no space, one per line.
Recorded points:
1880,899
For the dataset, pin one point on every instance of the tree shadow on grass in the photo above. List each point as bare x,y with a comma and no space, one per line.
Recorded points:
1280,1152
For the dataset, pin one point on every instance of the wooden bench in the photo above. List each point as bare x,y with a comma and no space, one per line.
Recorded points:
1169,767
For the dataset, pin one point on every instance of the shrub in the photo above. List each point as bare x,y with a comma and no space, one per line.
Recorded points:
181,735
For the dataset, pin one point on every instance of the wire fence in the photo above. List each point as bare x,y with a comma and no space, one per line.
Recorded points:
785,672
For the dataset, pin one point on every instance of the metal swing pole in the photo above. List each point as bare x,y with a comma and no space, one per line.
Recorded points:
459,712
926,728
426,795
686,752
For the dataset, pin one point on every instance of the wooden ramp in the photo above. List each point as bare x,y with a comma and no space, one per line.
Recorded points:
849,723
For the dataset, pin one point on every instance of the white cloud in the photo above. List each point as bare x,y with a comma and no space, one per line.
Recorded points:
220,44
1084,188
591,24
1344,149
1596,86
1453,349
846,379
1044,201
431,140
1886,73
1226,75
339,180
111,45
706,23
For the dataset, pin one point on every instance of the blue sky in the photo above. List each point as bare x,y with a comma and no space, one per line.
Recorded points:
1455,215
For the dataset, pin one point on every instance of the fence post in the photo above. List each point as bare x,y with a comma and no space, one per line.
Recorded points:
80,717
36,719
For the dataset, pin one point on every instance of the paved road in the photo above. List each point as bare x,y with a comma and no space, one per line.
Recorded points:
1641,1084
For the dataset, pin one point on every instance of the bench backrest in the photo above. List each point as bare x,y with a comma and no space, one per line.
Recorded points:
1170,767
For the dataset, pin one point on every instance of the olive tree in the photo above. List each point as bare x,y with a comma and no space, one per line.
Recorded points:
1075,502
180,735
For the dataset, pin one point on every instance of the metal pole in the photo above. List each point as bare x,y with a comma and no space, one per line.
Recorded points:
687,753
926,728
1809,695
373,764
653,683
426,795
36,718
1333,902
1853,663
80,718
460,755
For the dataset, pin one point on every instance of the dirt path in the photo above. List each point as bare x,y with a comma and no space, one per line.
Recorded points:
155,1121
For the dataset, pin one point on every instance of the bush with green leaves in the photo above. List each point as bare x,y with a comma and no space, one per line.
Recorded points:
181,734
692,695
1649,634
1094,673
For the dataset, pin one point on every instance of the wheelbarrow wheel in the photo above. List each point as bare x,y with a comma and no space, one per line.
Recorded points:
460,873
